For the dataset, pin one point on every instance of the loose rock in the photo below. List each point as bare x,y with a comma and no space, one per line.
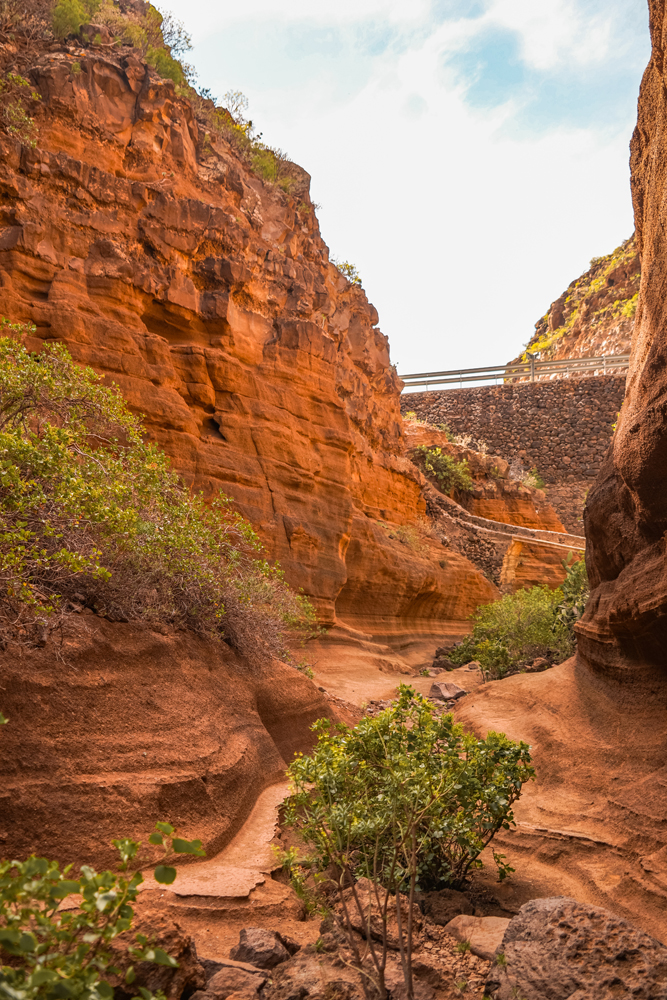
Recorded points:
485,934
260,947
565,950
445,904
446,691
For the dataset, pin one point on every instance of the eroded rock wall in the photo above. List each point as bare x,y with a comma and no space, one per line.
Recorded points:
151,249
624,630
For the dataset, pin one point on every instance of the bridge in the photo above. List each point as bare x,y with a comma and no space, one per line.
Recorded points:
531,370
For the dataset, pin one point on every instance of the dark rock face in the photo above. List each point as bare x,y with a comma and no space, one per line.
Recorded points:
559,949
624,630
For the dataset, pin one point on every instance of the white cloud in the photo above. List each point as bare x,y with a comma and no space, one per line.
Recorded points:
463,235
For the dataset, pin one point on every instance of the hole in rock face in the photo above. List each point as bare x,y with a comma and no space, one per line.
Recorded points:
211,429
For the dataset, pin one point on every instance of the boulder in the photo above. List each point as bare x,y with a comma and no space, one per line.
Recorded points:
231,979
484,934
446,691
565,950
445,904
443,663
259,947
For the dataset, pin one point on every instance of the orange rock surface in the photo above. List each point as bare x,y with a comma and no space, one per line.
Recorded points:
208,297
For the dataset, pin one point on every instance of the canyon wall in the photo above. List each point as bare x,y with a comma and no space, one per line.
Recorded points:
624,630
148,246
561,427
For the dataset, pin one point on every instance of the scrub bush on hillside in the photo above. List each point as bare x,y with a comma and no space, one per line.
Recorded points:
91,513
533,622
446,471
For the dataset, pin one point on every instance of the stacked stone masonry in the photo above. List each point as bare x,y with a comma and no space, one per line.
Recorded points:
561,428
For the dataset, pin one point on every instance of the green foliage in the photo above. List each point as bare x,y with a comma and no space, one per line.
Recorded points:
165,65
405,794
66,954
16,96
533,622
86,505
533,480
68,16
575,591
348,270
449,474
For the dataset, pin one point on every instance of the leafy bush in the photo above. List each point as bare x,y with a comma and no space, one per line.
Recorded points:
348,270
407,801
405,769
90,512
16,96
61,954
533,480
449,474
533,622
69,15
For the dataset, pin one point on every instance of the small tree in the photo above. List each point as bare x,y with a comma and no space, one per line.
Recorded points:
407,801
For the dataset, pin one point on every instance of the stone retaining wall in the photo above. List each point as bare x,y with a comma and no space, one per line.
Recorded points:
561,427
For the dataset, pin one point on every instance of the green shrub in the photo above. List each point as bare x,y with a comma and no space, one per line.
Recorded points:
66,954
407,801
533,622
69,15
405,769
16,96
87,507
449,474
348,270
533,480
164,63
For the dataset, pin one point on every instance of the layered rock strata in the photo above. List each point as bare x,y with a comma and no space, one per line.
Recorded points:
128,726
148,245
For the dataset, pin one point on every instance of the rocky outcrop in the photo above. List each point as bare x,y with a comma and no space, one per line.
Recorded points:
559,948
624,630
146,243
595,315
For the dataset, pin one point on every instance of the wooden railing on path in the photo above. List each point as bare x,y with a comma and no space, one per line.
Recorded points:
527,371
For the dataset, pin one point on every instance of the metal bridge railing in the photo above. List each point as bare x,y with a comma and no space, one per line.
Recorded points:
529,371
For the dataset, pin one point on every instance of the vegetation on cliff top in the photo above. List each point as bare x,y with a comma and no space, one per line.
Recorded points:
594,297
91,514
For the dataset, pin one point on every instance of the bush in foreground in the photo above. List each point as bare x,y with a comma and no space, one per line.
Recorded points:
89,510
57,954
408,801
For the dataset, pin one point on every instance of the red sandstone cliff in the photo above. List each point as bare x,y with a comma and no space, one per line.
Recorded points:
207,295
624,630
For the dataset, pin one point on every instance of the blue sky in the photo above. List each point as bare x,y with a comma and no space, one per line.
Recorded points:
469,158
